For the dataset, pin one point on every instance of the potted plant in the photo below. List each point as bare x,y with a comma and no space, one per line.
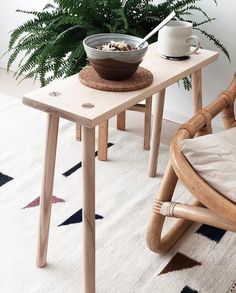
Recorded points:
52,39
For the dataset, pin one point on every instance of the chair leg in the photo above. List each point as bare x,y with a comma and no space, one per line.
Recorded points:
78,132
102,140
147,123
197,214
155,241
47,189
121,121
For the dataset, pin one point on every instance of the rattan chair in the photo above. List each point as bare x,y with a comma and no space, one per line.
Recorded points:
210,206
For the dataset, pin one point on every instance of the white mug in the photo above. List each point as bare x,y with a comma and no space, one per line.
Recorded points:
174,39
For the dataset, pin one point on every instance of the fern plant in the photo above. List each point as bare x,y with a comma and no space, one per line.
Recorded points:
51,41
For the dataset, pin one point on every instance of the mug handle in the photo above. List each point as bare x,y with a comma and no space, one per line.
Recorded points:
197,46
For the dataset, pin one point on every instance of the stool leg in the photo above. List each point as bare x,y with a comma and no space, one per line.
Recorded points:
89,208
102,140
147,123
78,132
47,189
197,90
121,121
156,134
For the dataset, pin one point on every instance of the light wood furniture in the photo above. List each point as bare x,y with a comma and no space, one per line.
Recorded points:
141,79
209,207
47,188
103,128
158,117
71,100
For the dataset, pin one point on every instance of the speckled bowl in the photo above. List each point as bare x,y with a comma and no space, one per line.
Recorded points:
114,65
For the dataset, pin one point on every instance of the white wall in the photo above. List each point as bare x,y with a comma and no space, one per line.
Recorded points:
10,19
178,105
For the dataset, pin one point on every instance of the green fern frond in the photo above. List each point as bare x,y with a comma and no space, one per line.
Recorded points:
196,24
41,15
28,76
193,7
30,63
23,58
49,6
12,57
76,57
69,20
215,41
29,26
179,5
187,83
35,26
122,16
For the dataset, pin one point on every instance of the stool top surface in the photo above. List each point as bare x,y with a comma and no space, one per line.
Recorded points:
70,99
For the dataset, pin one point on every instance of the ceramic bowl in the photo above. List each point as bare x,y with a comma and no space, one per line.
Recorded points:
114,65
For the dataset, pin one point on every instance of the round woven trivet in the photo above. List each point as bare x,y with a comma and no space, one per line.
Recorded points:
142,78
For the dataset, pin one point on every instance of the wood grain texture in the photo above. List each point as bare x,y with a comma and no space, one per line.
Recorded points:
78,134
102,140
73,94
47,189
88,139
203,216
197,214
197,90
155,241
156,133
147,123
228,116
121,121
121,125
138,108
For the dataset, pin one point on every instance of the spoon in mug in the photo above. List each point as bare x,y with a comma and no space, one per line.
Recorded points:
156,29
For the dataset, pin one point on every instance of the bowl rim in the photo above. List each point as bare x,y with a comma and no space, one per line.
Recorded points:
145,45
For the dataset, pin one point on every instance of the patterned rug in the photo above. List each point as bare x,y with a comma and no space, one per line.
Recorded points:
203,261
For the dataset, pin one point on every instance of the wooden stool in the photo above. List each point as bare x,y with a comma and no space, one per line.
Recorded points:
103,128
71,100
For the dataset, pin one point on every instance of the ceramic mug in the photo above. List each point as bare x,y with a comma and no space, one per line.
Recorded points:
174,39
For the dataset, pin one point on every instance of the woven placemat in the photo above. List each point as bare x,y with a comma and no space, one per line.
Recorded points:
142,78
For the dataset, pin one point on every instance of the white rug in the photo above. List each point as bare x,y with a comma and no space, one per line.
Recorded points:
203,262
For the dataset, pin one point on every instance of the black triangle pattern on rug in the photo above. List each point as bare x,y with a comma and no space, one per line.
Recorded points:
79,165
4,179
187,289
212,233
179,262
77,218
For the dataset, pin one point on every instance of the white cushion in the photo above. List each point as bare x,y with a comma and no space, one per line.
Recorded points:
213,157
